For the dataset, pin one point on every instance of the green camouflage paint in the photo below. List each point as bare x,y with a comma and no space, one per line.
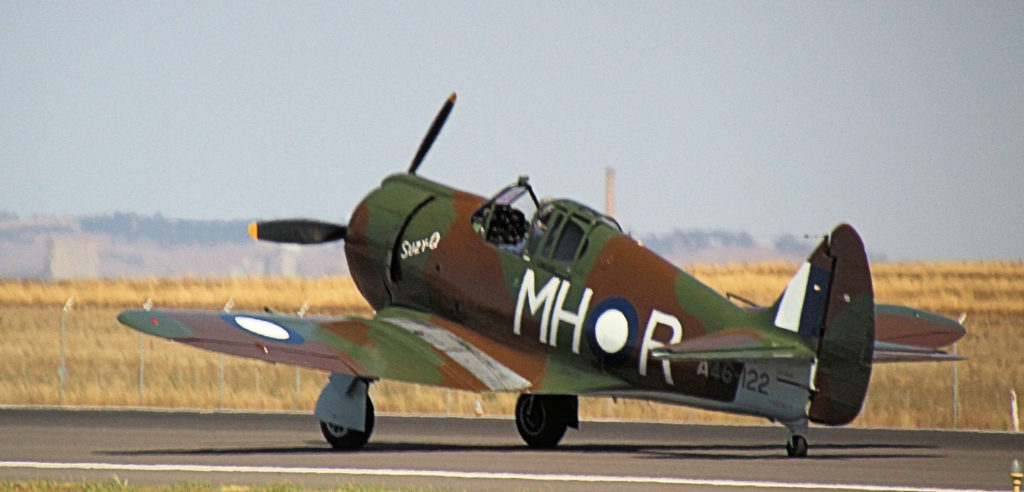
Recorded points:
468,297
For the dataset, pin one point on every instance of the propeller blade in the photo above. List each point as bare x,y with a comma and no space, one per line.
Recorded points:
431,135
299,231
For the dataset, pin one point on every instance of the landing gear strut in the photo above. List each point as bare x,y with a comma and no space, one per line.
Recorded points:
796,446
542,419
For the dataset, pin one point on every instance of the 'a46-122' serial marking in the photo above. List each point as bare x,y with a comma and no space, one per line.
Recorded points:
749,379
755,381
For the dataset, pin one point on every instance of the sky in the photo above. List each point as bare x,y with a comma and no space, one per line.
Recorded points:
904,119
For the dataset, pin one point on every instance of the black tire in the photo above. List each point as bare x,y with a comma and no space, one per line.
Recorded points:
542,419
796,447
342,438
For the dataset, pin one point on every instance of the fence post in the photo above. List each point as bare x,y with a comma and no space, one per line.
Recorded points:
1014,415
141,369
956,392
298,378
956,378
220,374
220,382
298,387
142,356
62,371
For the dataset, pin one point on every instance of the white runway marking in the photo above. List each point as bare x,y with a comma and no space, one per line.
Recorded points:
389,472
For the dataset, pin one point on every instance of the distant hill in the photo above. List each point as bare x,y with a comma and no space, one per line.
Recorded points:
128,227
167,232
715,246
134,245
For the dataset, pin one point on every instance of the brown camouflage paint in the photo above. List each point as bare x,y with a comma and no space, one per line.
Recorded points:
411,244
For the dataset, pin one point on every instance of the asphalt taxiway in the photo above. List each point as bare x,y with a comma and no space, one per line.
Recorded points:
487,454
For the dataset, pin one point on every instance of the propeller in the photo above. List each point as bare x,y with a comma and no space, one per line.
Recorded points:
431,135
298,231
307,231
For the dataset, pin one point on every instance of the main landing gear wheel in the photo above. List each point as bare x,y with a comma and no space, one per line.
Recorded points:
542,419
342,438
796,447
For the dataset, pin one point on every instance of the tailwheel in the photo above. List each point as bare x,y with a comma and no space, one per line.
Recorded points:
343,438
796,447
542,419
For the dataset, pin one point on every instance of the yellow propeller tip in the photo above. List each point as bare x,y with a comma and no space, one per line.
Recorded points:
253,230
451,98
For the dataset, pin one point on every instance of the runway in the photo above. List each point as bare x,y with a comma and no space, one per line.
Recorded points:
487,454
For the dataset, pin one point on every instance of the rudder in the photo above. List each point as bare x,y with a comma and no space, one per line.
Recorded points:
831,299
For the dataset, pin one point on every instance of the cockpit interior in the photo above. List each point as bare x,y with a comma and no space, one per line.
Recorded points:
557,229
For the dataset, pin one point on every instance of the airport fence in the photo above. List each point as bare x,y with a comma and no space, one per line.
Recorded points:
60,344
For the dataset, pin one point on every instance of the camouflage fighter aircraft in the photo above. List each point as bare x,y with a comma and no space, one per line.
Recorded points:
552,300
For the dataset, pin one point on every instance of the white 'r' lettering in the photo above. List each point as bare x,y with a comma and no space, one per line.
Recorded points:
659,318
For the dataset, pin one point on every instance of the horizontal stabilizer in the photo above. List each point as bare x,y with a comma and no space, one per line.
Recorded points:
908,326
735,344
904,334
895,352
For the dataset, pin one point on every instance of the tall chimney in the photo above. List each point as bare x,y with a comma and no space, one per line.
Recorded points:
609,191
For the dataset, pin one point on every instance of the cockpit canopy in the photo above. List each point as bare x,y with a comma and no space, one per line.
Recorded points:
557,230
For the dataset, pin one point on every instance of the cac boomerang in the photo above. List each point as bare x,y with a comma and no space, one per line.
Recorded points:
552,300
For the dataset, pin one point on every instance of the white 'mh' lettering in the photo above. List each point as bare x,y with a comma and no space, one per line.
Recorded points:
528,293
574,318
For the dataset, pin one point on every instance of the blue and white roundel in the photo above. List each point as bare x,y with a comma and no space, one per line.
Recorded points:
611,329
264,329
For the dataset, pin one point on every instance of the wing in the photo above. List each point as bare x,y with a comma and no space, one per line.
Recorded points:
398,343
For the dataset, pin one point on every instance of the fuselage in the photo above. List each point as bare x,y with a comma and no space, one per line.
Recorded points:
571,286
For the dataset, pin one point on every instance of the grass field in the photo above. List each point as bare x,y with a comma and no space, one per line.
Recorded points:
103,357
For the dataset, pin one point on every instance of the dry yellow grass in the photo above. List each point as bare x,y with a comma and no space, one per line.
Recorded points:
103,356
337,292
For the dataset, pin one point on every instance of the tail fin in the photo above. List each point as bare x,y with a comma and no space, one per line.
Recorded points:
830,299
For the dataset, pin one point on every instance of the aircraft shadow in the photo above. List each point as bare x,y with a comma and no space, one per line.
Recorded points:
773,451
